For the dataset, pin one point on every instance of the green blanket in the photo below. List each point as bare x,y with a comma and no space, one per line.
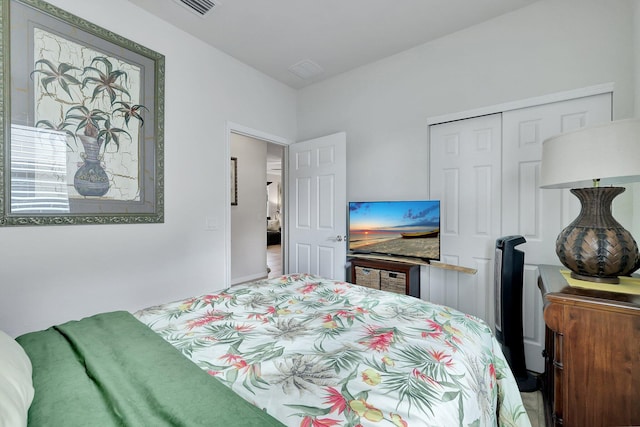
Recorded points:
112,370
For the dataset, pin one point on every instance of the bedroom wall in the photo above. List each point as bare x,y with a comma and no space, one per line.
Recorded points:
636,72
52,274
544,48
636,54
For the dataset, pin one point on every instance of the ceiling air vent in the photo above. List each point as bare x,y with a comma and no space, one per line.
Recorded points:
199,7
306,69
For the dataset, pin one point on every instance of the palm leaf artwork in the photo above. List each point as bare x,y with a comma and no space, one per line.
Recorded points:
87,120
104,81
110,133
90,93
56,74
130,111
61,127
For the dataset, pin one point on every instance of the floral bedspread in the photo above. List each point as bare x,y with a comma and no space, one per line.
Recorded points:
316,352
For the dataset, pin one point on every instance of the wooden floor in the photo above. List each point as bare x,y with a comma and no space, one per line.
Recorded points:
274,260
534,406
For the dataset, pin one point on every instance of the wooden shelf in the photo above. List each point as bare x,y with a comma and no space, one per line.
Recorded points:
415,261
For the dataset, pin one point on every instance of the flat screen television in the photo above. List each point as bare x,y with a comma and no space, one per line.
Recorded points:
396,228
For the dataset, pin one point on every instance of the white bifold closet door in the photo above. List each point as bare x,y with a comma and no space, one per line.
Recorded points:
486,171
465,177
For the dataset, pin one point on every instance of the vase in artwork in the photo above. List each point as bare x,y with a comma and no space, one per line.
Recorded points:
91,178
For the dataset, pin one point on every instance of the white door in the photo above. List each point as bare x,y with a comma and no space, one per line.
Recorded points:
465,176
317,206
536,214
461,180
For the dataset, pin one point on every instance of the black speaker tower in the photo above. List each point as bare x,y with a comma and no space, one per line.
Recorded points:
509,271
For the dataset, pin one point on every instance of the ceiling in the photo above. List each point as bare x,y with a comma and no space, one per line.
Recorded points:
336,35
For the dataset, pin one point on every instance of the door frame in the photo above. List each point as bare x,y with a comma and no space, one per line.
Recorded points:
236,128
524,103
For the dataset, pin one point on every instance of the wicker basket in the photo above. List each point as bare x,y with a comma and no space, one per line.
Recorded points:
393,282
368,277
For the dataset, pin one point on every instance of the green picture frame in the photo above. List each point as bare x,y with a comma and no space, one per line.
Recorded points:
82,111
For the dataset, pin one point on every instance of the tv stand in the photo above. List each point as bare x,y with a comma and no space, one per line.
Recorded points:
416,261
387,275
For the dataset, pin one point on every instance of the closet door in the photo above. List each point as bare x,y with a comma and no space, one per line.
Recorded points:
465,176
486,171
539,215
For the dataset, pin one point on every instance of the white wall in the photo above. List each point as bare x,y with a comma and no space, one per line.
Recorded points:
635,230
550,46
52,274
636,54
249,217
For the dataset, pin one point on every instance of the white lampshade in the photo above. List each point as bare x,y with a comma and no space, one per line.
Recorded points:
609,152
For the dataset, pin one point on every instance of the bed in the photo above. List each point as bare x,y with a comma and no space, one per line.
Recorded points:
298,350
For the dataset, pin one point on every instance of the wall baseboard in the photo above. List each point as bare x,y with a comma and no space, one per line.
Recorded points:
249,278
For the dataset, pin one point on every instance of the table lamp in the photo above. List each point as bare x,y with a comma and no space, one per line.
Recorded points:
595,247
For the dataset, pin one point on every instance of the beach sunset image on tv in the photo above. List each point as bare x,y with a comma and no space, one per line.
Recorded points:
403,228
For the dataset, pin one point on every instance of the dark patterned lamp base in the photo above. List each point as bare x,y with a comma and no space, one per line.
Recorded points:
595,247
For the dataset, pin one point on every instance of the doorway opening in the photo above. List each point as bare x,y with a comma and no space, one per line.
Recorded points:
275,157
259,205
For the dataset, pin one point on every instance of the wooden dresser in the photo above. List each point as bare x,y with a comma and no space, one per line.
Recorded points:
592,354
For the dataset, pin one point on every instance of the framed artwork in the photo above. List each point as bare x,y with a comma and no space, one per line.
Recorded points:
234,181
81,140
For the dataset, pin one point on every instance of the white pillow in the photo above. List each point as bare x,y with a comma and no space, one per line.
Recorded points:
273,225
16,384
